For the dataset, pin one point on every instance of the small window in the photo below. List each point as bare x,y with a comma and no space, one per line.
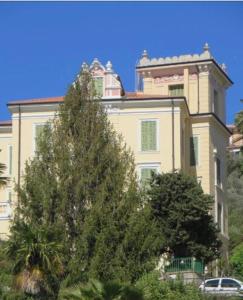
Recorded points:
176,90
212,283
229,283
38,131
194,151
148,135
146,174
98,81
218,171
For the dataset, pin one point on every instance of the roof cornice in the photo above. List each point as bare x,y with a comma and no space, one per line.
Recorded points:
188,63
215,117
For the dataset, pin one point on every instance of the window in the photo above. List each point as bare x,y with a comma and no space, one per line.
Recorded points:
5,211
149,135
98,81
212,283
146,173
218,171
38,131
182,142
220,216
176,90
229,283
215,102
10,159
9,196
194,151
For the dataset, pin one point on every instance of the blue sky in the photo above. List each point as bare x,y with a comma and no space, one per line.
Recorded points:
43,44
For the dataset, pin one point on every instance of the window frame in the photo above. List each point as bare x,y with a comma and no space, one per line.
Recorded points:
198,150
141,166
229,279
34,135
220,216
215,102
10,165
103,85
174,85
210,280
218,171
157,135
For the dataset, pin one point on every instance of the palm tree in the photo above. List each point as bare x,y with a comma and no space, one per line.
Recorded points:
38,265
3,180
96,290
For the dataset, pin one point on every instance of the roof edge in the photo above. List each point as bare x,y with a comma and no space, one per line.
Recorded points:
189,62
215,116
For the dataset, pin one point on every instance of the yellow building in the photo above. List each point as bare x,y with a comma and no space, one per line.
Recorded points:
175,120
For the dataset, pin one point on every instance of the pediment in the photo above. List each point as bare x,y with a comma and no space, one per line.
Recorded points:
96,68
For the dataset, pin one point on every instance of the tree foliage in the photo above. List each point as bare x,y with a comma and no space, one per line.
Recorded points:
81,186
235,201
236,261
155,289
97,290
181,210
239,121
3,180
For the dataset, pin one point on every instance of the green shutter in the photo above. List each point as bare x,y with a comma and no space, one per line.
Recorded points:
38,131
10,149
99,86
218,171
176,90
146,174
194,151
9,196
148,136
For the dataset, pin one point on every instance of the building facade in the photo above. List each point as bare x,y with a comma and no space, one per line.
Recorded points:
175,120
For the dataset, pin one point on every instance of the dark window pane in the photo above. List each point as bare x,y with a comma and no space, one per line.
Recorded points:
212,283
229,283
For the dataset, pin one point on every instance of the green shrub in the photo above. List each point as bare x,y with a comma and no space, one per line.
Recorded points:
154,289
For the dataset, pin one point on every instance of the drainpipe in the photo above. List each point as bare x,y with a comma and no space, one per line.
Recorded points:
19,152
173,134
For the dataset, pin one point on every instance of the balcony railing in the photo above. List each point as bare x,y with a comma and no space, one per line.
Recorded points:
185,264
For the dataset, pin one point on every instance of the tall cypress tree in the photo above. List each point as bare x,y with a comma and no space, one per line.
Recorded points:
81,185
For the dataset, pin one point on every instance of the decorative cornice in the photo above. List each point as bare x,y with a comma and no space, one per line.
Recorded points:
146,61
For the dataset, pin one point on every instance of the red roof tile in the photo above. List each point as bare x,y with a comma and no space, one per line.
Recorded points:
37,101
6,123
137,95
128,95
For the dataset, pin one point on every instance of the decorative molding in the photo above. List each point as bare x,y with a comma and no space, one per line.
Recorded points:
164,79
146,61
204,68
173,78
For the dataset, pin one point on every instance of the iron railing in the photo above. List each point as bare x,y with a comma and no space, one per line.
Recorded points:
183,264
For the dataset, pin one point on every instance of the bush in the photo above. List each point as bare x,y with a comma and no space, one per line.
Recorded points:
154,289
236,261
